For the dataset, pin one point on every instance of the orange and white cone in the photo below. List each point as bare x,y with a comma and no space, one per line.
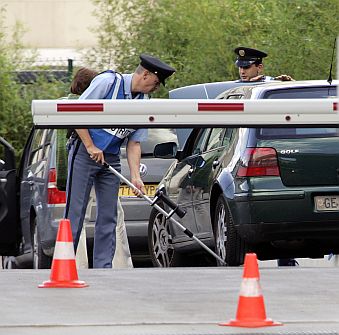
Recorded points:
251,309
64,272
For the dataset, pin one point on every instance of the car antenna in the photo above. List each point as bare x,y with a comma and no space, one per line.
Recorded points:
329,80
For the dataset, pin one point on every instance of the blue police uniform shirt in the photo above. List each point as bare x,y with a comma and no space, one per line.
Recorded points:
110,140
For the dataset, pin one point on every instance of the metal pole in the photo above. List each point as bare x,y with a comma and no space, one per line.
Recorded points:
70,68
161,210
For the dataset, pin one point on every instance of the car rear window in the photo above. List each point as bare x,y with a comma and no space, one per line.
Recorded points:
299,93
302,93
297,132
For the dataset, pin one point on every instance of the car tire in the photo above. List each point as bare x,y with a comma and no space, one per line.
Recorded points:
160,244
228,244
40,260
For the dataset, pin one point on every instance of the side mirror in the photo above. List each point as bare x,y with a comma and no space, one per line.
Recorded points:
165,150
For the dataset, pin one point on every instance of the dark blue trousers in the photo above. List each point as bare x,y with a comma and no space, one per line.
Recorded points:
83,172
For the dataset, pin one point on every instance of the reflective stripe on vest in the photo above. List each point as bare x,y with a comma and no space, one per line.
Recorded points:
102,138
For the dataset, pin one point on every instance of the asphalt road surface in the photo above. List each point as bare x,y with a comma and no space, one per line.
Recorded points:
187,301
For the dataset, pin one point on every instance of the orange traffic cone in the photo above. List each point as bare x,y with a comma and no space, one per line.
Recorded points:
64,272
251,310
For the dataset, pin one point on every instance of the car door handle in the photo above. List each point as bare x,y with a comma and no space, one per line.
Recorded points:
29,182
215,164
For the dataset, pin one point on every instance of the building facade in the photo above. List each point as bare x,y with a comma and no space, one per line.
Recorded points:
55,28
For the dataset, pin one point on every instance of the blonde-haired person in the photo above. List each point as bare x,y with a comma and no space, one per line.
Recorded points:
122,257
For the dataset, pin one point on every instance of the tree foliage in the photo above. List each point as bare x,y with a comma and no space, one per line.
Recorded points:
198,37
16,98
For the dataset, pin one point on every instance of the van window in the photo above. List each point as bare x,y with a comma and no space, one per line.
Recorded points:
155,136
36,146
40,146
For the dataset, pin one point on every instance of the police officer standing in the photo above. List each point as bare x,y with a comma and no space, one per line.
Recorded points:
251,67
93,147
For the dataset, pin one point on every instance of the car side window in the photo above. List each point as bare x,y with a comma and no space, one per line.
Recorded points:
200,141
227,137
215,139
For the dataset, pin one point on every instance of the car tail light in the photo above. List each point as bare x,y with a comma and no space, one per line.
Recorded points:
55,196
259,162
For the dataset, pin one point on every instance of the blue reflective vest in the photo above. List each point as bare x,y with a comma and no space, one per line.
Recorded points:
110,140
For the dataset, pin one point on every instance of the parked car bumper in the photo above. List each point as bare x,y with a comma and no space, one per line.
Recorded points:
293,213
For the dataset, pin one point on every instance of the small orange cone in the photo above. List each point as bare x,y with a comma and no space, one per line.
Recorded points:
64,272
251,309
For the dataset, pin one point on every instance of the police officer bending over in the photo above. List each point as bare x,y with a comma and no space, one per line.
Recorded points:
95,146
251,67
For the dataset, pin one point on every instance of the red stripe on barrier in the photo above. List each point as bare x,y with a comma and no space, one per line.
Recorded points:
88,107
335,106
220,107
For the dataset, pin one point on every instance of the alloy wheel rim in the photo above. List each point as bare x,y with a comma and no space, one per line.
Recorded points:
221,237
162,241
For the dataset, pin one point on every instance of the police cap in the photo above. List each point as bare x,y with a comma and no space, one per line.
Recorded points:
156,66
248,56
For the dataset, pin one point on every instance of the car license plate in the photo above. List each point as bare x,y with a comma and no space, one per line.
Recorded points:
126,191
327,203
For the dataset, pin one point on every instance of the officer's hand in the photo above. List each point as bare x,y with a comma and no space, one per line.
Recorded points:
96,154
138,183
284,77
257,78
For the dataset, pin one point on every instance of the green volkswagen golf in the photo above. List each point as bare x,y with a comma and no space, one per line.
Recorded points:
273,191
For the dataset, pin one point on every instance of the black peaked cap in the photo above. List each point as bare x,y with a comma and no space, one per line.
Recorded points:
156,66
248,56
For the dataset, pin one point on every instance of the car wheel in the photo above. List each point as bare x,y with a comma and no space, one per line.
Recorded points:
228,244
160,240
40,260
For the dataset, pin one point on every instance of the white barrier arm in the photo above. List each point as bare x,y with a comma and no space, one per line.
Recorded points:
184,113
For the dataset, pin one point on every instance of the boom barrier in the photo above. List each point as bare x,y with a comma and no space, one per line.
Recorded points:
184,113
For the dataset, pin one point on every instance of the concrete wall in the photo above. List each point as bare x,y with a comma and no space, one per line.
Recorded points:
53,23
